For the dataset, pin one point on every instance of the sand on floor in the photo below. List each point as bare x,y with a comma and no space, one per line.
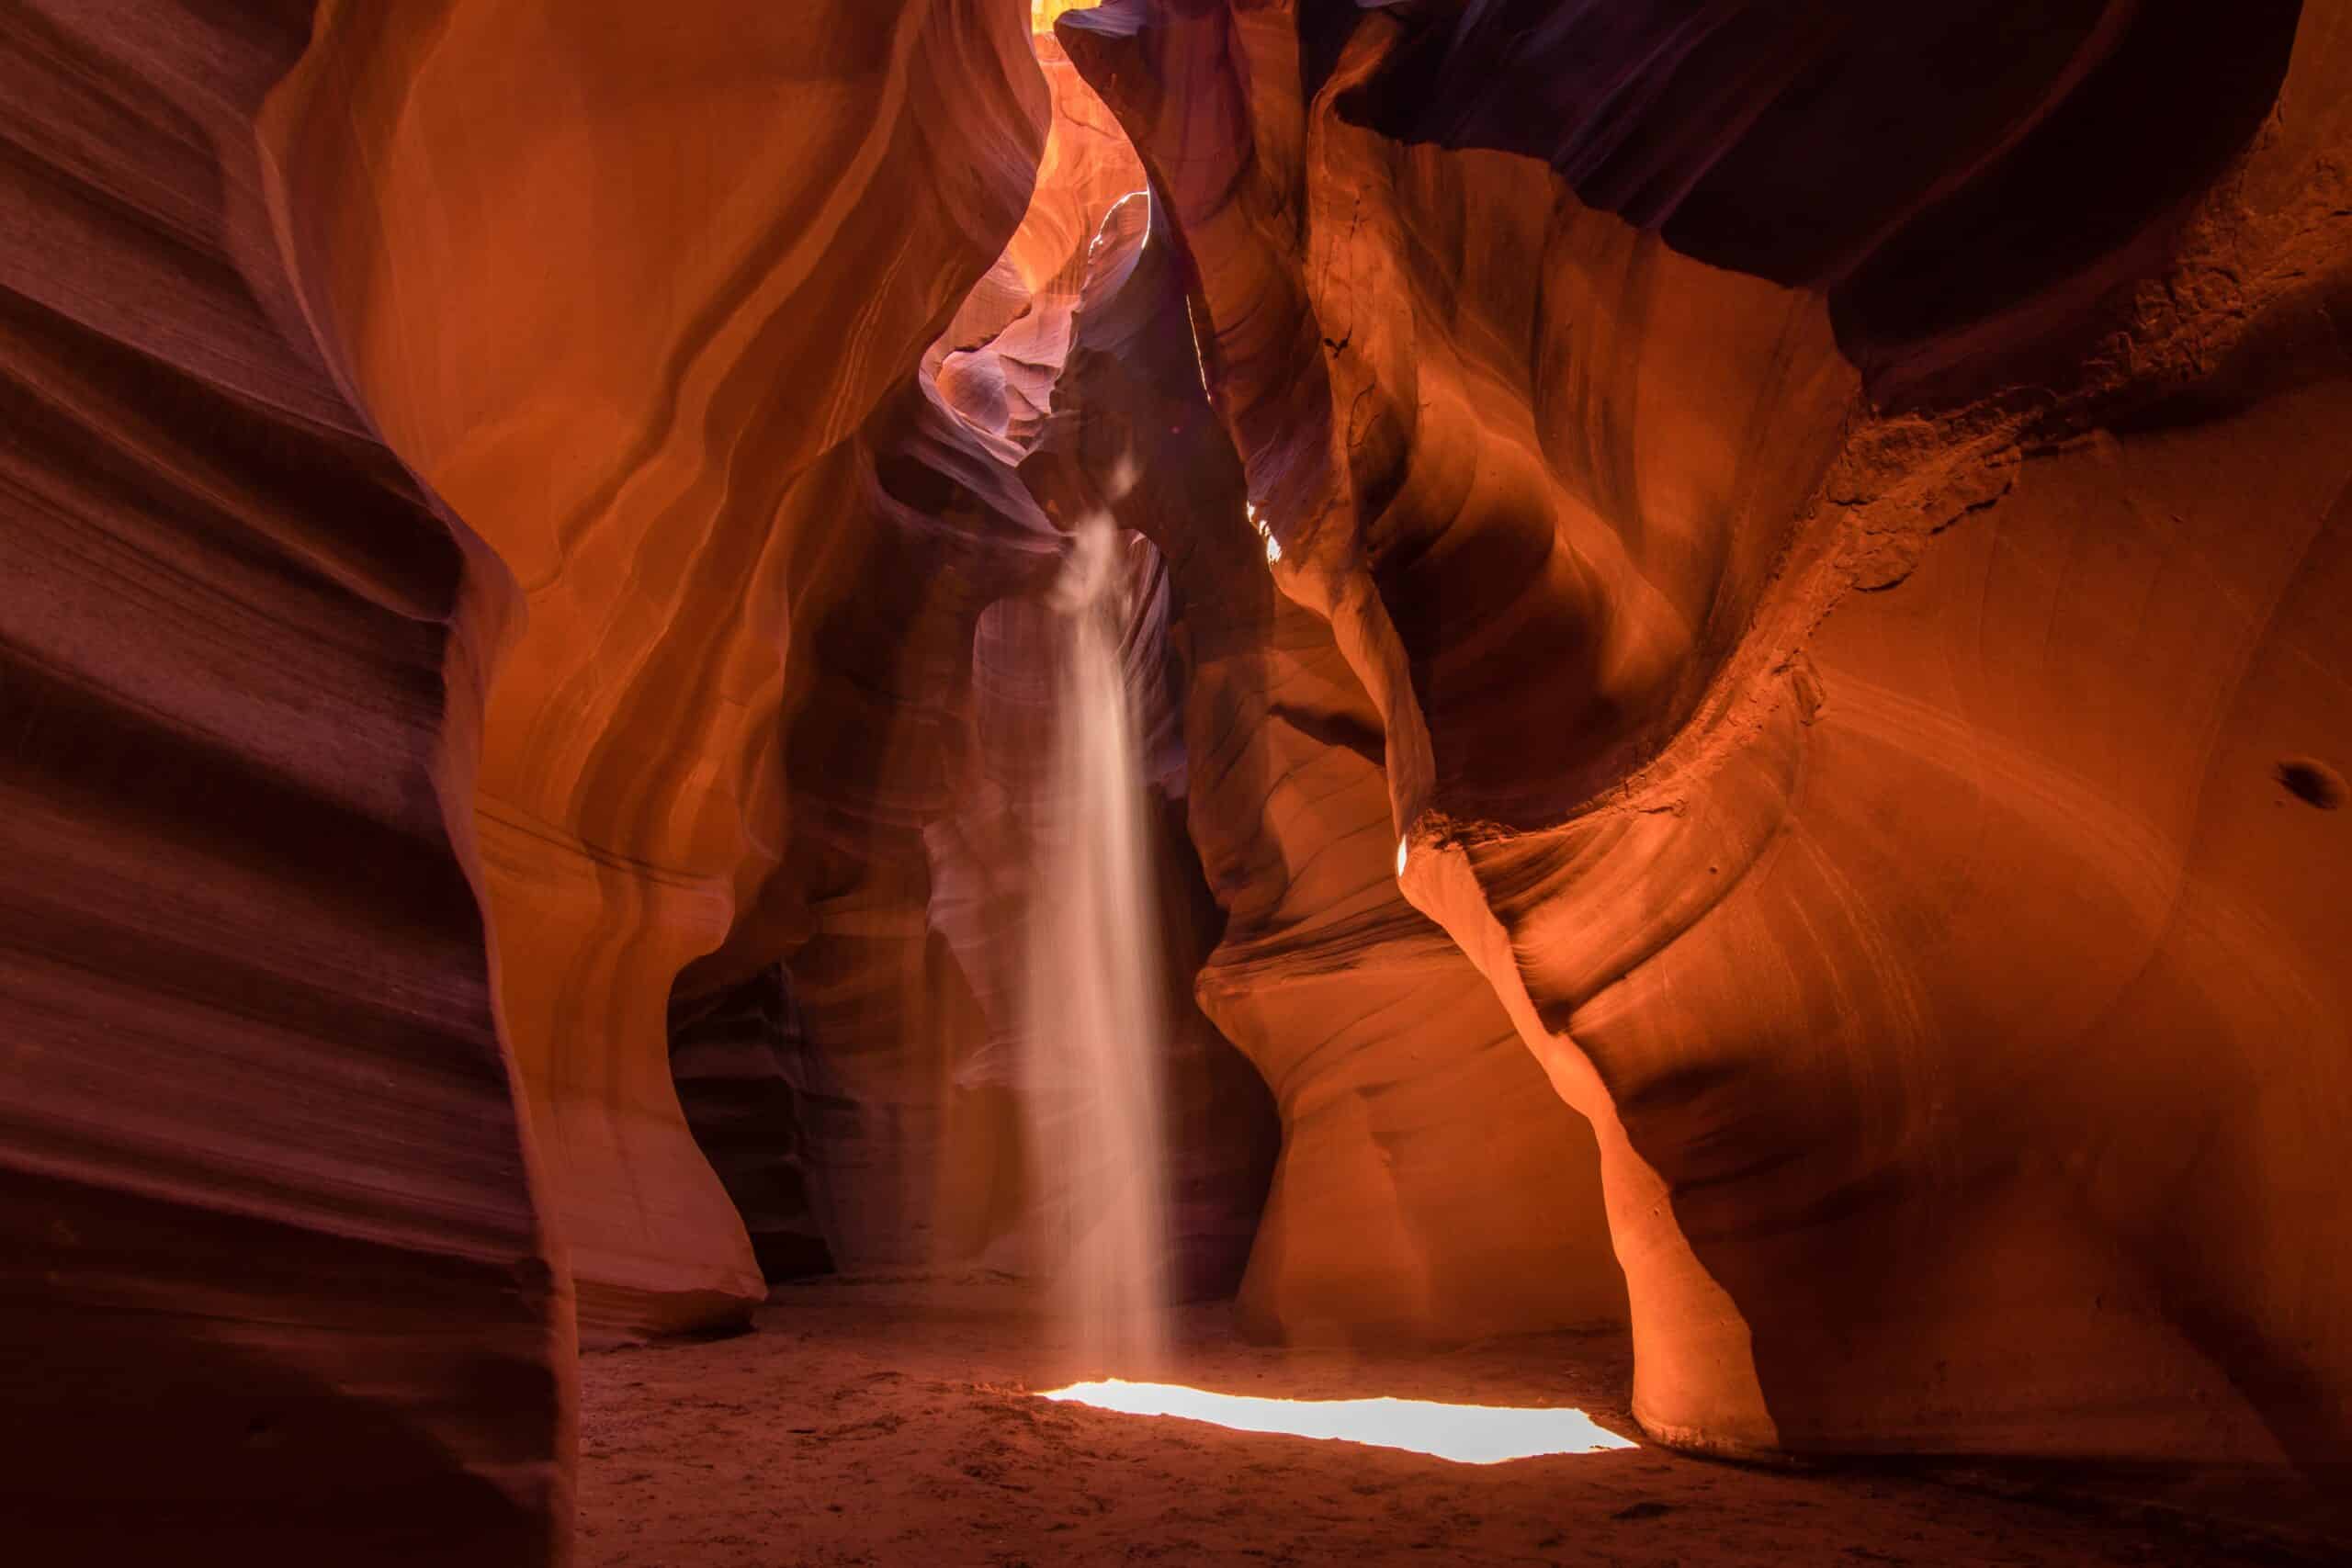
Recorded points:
888,1424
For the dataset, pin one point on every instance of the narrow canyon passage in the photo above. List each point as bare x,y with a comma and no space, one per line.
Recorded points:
733,733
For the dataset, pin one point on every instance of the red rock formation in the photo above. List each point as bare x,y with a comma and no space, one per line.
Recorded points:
999,371
1795,595
915,1139
273,1287
1933,961
211,341
687,278
1429,1189
743,1060
902,902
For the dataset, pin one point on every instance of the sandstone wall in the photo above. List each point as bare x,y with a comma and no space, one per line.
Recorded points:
625,285
1430,1188
274,1283
1831,513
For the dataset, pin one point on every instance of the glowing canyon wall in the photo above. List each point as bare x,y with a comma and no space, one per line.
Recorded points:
1740,639
683,246
1844,585
1429,1189
358,846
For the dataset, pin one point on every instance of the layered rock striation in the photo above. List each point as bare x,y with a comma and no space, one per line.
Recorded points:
1735,610
744,1064
1838,586
1430,1188
632,312
274,1284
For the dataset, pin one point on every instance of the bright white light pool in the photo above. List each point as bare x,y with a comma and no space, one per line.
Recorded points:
1467,1434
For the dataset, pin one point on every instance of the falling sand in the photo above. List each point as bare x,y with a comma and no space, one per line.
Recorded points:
1093,1038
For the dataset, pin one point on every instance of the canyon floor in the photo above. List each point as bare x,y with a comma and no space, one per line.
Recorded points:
891,1424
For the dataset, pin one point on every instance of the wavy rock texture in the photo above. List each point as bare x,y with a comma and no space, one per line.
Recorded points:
1084,225
1430,1188
1821,529
907,1156
914,1136
689,262
917,689
273,1286
1839,575
741,1059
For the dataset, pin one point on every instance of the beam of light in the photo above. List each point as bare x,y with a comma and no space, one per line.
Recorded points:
1467,1434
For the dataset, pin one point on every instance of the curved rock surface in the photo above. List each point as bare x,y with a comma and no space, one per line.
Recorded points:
1085,223
1850,707
1429,1189
917,696
1741,642
741,1059
273,1285
689,277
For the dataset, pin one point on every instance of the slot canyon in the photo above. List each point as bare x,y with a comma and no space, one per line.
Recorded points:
734,734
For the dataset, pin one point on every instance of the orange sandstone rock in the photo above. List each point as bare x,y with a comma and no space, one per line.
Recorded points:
1835,630
624,285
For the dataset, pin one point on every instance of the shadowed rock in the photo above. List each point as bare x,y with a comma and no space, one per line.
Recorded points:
274,1287
1929,958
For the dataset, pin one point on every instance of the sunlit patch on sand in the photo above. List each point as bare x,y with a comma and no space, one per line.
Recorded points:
1467,1434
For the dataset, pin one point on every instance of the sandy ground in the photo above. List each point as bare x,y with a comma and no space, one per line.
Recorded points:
889,1424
